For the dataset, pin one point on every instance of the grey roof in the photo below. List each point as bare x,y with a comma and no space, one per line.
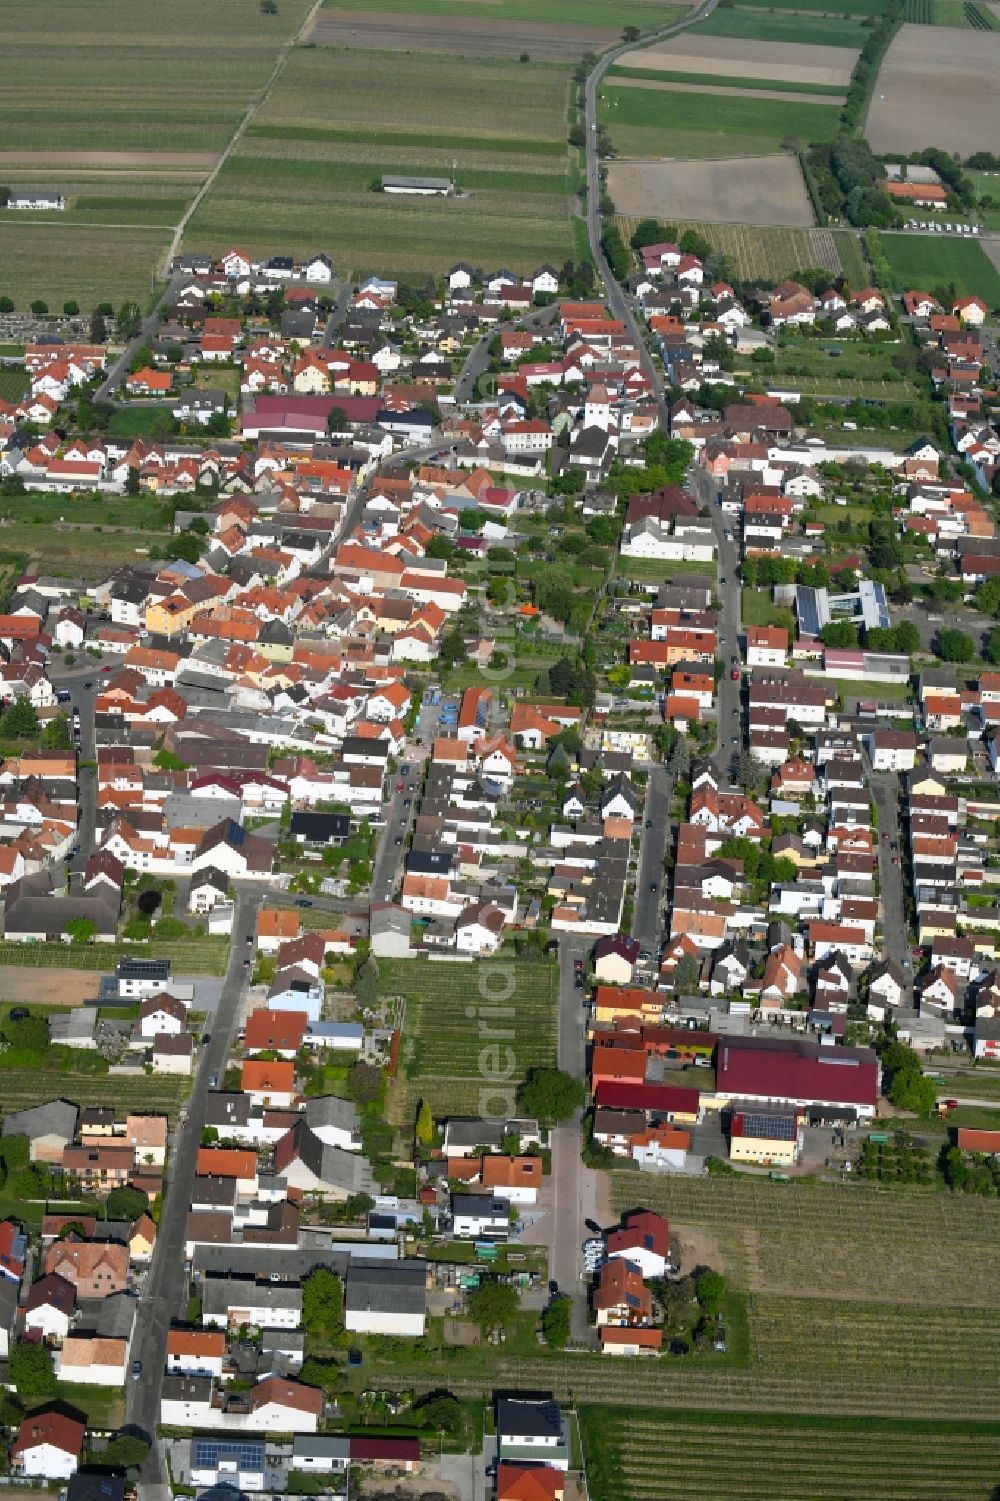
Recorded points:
54,1118
484,1205
329,1110
333,1167
186,1388
374,1287
521,1418
265,1262
224,1110
84,1486
115,1316
219,1294
8,1302
320,1446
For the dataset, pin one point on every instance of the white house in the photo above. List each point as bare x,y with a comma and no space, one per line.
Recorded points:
195,1352
767,646
318,269
892,750
92,1361
479,928
386,1297
161,1014
479,1217
47,1446
644,1238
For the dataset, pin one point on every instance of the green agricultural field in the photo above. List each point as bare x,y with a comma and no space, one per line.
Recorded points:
572,14
712,80
773,26
829,8
73,550
500,125
968,15
124,107
658,122
58,261
758,253
443,1058
927,262
157,1092
189,956
657,1456
13,382
852,258
134,75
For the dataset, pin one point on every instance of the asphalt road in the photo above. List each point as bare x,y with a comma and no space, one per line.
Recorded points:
896,941
339,312
477,361
646,907
571,1046
147,331
617,300
165,1285
728,697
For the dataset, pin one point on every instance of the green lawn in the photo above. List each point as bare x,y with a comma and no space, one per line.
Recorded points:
771,26
142,422
925,262
661,122
70,550
757,608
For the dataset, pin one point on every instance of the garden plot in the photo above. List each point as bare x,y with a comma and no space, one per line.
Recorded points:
929,94
766,190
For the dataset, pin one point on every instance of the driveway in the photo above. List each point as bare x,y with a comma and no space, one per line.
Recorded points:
569,1199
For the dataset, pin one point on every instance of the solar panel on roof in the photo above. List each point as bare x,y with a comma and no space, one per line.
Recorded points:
771,1127
207,1453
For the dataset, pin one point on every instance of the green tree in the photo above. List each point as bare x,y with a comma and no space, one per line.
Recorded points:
364,1083
839,633
19,721
31,1370
323,1305
128,323
452,649
556,1322
686,972
126,1204
710,1289
425,1124
493,1303
71,308
98,327
993,646
551,1095
128,1450
366,984
953,645
6,305
39,308
32,1182
15,1151
909,1090
81,929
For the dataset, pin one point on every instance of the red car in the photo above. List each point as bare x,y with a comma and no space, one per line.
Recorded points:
950,1104
400,786
735,674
